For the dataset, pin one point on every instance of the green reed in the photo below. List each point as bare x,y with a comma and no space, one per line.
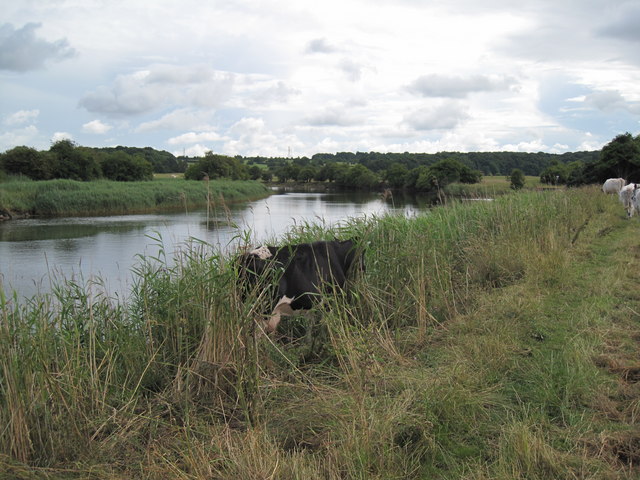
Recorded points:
69,197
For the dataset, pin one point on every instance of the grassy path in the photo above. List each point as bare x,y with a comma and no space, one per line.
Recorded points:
556,365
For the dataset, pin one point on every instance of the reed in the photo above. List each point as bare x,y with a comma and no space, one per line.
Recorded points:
465,351
69,197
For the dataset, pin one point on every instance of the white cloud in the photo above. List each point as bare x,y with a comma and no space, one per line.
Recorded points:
96,127
179,119
21,117
436,85
610,101
21,50
320,45
160,86
193,137
443,116
336,115
58,136
193,151
23,136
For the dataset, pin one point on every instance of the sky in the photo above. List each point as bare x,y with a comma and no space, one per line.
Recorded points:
297,77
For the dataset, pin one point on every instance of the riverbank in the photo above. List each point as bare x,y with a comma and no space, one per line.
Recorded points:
488,340
103,197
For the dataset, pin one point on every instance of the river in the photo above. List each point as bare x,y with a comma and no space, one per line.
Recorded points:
40,252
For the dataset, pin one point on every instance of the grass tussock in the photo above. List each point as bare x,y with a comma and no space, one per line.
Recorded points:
103,197
492,340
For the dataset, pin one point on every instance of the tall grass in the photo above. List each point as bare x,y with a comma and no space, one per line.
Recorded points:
69,197
461,353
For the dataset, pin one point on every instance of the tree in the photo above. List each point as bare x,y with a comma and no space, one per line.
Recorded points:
217,166
306,174
396,175
517,179
358,176
73,162
255,172
619,158
26,161
122,167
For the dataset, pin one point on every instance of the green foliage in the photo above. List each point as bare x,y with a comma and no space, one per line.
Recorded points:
396,175
357,177
619,158
74,163
121,167
517,179
28,162
161,161
439,175
217,166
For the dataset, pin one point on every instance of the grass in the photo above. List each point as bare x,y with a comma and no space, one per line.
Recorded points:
491,340
492,186
69,197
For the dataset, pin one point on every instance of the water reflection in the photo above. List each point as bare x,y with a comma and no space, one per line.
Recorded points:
36,252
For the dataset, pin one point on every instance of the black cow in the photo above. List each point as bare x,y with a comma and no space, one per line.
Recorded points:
303,272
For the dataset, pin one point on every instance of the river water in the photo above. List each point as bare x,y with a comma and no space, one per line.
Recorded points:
39,252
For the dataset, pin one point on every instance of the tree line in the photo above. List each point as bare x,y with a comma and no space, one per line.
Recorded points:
359,170
65,159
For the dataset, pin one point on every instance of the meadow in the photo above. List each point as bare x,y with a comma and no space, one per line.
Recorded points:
104,197
486,340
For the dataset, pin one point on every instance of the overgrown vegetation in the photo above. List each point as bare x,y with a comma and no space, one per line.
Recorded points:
103,197
486,340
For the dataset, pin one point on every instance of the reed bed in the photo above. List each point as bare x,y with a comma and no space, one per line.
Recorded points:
465,351
103,197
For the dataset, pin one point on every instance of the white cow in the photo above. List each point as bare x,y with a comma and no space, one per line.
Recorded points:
635,199
614,185
626,195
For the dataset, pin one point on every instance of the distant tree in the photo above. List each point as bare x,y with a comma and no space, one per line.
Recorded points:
306,174
217,166
27,161
73,162
396,175
255,172
619,158
555,174
517,179
358,177
327,172
122,167
441,174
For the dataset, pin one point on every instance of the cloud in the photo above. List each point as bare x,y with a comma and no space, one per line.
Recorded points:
21,50
179,119
21,117
58,136
352,69
97,127
441,117
625,25
160,86
193,137
193,151
610,101
320,45
20,136
335,115
436,85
